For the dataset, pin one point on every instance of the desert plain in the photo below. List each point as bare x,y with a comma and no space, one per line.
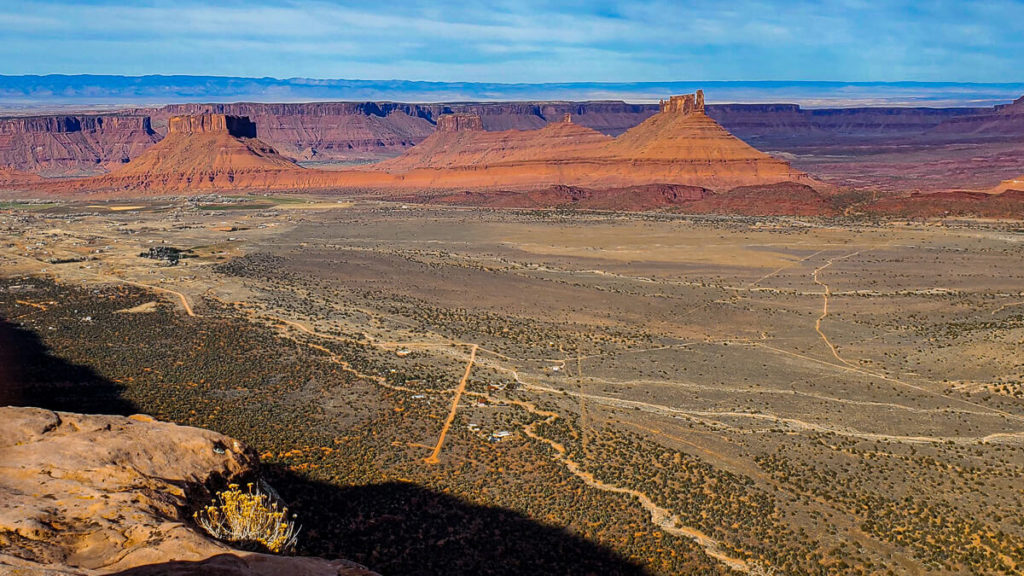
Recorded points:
442,388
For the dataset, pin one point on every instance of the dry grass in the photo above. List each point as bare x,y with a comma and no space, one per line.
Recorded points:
250,517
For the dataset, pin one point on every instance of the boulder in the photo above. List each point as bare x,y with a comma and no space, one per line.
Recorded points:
89,495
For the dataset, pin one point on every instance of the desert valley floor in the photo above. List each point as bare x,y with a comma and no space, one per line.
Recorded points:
470,391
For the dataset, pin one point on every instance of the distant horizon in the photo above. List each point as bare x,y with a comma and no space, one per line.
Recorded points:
52,90
448,81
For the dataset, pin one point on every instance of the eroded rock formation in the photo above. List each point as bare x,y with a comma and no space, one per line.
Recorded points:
237,126
1011,184
679,145
89,495
62,145
460,123
684,104
201,152
917,148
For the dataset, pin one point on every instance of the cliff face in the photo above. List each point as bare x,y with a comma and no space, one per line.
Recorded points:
461,142
333,132
1002,121
61,145
784,124
237,126
680,145
202,152
346,131
460,123
103,494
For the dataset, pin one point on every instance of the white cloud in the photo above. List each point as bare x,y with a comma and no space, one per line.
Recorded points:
524,40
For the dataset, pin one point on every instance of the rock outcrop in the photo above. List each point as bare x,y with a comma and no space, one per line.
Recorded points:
204,152
682,144
679,145
684,104
90,495
1011,184
460,123
237,126
1008,205
868,148
344,131
77,145
461,143
782,199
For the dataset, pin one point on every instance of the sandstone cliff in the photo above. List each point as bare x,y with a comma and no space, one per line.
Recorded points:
90,495
679,145
204,152
461,142
62,145
346,131
459,123
883,148
1002,121
237,126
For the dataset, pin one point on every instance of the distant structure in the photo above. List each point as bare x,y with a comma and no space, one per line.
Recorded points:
685,104
237,126
567,119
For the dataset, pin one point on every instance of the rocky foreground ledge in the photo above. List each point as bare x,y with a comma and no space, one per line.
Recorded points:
90,495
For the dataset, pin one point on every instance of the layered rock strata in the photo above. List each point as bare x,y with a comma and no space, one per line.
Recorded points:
62,145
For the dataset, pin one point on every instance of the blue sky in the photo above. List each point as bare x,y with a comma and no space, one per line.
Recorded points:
521,40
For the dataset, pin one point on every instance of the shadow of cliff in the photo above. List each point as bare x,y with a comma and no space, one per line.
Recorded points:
30,375
405,529
401,529
231,565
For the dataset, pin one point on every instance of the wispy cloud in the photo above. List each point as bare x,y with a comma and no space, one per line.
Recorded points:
522,40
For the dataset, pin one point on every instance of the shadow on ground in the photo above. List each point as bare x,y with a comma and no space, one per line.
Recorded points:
30,375
401,528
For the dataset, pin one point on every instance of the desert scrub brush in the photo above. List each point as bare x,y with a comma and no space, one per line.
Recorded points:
249,518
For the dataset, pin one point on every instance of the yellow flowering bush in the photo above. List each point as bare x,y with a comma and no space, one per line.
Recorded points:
250,517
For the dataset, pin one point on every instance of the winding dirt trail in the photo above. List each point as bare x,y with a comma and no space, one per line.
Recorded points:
660,517
1005,306
184,301
854,367
709,416
110,277
824,312
433,458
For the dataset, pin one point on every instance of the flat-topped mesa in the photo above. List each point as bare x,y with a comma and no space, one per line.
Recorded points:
460,123
237,126
71,124
685,104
